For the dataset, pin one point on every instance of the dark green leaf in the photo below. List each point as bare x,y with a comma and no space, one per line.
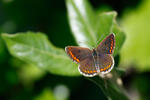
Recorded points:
111,90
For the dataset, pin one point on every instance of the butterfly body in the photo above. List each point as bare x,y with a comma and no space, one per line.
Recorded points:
93,62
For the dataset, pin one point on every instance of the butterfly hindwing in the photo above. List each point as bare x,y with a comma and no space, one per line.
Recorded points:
87,67
78,54
107,45
105,62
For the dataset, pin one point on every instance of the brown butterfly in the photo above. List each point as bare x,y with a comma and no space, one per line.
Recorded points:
93,62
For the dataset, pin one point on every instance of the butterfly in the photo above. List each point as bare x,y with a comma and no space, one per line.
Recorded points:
93,62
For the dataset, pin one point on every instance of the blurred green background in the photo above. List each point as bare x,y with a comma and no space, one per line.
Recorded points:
21,81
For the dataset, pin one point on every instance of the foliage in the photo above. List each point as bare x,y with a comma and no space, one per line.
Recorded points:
34,48
88,28
136,48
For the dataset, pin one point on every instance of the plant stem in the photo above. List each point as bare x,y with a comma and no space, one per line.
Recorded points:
110,88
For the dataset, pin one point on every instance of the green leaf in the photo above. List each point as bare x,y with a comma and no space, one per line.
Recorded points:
82,21
105,23
37,50
119,37
88,28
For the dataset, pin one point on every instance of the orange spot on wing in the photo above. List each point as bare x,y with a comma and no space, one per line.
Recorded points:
85,71
111,45
77,60
110,50
73,56
105,68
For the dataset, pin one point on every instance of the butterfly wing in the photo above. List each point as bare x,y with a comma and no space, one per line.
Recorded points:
105,63
78,54
85,58
87,67
107,45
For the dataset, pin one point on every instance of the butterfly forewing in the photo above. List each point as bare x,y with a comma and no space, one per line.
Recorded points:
105,62
107,45
87,67
78,54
